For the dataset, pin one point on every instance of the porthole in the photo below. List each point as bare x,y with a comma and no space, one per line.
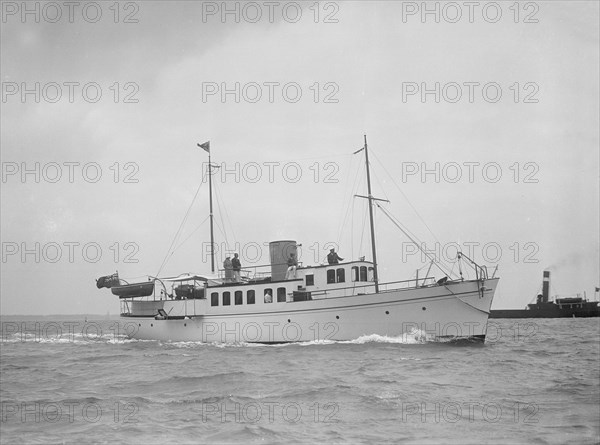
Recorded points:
184,324
151,325
337,317
387,312
424,308
289,321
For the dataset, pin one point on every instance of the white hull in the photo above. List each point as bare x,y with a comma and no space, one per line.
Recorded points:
456,310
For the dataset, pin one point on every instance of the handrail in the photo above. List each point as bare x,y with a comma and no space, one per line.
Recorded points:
481,272
163,285
252,272
362,284
300,266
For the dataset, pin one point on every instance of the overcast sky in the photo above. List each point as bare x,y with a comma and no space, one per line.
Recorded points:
512,132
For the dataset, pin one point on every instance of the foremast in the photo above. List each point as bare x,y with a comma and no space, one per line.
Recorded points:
371,222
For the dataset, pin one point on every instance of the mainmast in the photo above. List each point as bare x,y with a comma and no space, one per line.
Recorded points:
212,236
373,247
206,147
372,225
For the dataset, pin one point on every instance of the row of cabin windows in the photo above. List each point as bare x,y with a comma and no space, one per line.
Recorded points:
361,273
250,297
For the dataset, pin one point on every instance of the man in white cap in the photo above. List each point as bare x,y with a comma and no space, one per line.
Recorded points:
333,257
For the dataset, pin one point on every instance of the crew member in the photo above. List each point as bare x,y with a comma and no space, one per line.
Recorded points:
292,263
237,268
333,257
228,266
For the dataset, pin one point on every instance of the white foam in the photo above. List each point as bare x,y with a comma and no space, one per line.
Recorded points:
415,336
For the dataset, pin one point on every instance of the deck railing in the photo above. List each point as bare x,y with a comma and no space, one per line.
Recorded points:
390,286
481,272
255,272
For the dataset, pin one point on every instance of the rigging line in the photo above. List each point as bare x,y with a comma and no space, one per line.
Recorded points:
374,174
177,234
468,270
170,254
359,174
224,229
439,266
345,203
405,197
221,227
227,218
398,224
352,230
189,236
349,200
405,228
362,235
222,233
423,266
453,266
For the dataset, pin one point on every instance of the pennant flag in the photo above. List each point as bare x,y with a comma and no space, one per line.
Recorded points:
108,281
205,146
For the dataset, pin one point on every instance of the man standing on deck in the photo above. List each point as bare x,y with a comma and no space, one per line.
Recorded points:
237,268
292,263
333,257
228,266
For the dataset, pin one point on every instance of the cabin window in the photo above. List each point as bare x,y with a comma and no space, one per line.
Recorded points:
371,274
331,276
268,295
214,299
341,275
226,298
354,273
238,297
250,297
363,273
310,280
281,295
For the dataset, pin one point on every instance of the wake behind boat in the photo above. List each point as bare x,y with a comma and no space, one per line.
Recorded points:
286,301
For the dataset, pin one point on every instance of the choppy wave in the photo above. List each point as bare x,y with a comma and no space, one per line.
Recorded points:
370,389
75,338
415,336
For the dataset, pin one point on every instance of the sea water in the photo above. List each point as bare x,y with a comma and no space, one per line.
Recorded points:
83,381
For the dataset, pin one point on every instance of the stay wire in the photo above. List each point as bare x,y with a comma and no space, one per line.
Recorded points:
178,233
405,197
416,242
